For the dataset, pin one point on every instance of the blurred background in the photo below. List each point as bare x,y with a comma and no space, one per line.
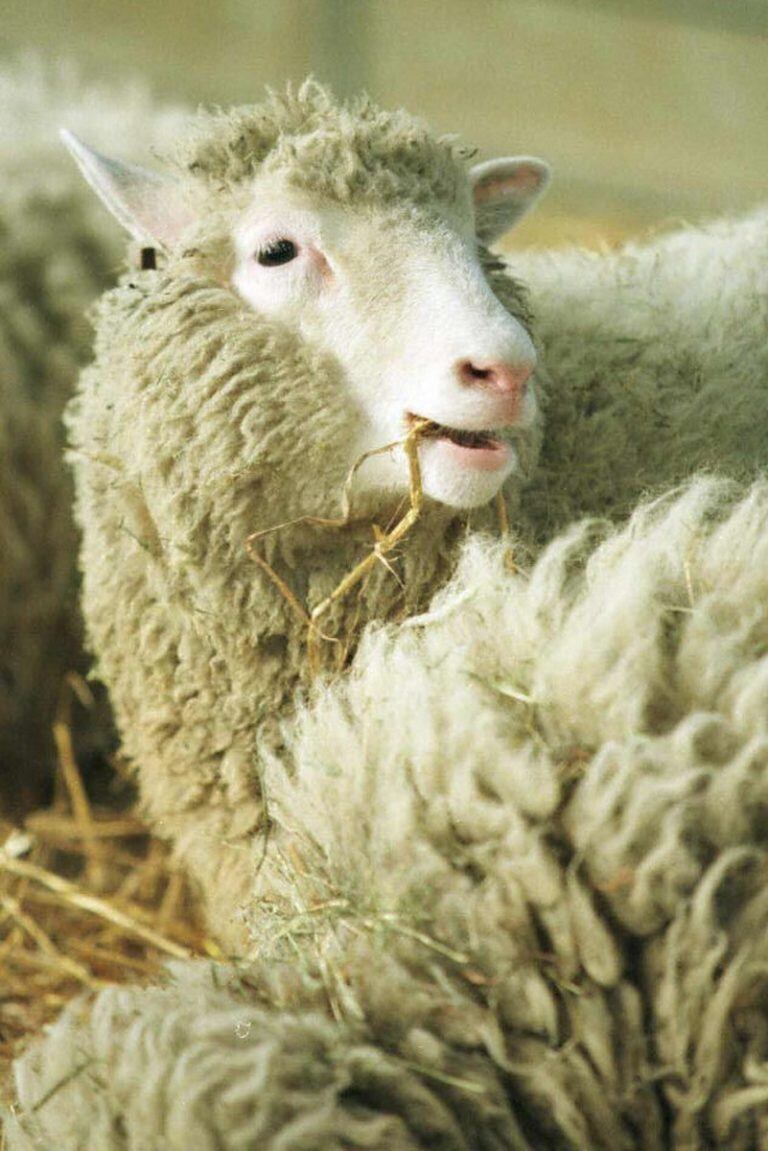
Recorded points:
648,110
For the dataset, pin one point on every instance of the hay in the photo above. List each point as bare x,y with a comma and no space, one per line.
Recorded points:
385,539
87,899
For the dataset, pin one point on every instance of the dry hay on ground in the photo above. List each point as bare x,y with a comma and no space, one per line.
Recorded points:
87,898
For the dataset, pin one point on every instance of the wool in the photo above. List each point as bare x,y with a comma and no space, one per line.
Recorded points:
348,152
229,1046
537,919
58,253
659,366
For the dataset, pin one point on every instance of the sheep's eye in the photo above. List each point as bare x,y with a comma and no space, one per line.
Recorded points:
278,252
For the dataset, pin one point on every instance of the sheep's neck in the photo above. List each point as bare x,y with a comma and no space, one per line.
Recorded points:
311,571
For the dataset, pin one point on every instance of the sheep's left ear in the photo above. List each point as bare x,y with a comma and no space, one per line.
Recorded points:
504,190
149,206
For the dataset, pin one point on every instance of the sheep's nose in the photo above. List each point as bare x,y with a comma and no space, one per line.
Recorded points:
506,379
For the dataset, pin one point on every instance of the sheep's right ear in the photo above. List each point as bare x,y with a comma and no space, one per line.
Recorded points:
504,190
148,205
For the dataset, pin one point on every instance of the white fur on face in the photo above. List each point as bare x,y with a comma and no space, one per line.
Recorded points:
399,302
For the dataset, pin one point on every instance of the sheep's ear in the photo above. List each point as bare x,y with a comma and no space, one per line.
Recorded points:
504,190
148,205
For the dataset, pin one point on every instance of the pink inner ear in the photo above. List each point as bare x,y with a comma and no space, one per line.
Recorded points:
165,217
522,180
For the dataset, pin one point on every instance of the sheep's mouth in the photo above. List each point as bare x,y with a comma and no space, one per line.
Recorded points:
430,429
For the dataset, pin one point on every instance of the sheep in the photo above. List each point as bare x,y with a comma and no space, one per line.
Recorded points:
58,254
543,927
318,291
267,320
514,891
625,343
236,384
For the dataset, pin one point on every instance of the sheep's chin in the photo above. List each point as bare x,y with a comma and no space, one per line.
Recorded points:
449,483
382,481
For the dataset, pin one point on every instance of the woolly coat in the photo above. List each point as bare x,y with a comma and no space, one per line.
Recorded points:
201,423
658,358
57,252
190,433
515,892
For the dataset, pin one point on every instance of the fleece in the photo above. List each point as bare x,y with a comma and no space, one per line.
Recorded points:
200,423
513,893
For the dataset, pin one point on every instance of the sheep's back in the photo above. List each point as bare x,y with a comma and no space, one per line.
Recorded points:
658,360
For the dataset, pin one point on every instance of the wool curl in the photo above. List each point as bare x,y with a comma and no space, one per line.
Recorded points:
514,893
347,151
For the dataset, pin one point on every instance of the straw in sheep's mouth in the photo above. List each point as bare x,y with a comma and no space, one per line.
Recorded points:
466,439
385,539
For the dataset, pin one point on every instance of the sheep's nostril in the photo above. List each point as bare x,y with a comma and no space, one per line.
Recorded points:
507,379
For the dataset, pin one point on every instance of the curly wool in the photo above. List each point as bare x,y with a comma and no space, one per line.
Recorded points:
352,152
538,920
322,1085
58,252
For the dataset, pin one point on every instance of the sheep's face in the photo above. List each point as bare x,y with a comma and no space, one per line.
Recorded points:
401,301
397,295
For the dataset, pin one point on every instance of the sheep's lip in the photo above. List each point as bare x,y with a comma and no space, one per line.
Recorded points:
465,439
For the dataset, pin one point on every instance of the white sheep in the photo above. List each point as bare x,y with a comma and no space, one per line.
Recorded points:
320,289
514,894
642,371
58,253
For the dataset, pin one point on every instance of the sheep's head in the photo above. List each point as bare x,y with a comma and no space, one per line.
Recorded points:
365,235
